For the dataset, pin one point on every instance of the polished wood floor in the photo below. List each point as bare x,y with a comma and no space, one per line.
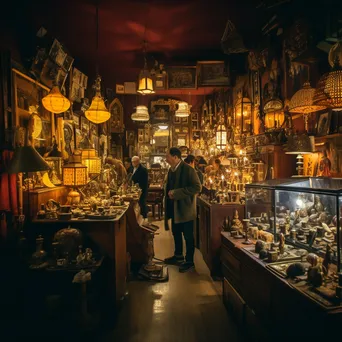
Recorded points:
187,308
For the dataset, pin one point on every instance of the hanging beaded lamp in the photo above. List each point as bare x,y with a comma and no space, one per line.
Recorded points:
55,101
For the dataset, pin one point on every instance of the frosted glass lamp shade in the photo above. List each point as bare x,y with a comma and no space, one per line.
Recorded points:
97,112
221,137
141,114
183,110
55,101
145,84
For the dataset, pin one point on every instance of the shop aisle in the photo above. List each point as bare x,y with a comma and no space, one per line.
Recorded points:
187,308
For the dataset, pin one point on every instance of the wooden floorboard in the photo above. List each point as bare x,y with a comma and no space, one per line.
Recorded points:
187,308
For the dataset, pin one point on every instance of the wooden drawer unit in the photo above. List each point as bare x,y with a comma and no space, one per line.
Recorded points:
230,266
234,303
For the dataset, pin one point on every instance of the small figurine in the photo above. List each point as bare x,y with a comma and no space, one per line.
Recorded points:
88,255
327,260
80,257
236,223
325,165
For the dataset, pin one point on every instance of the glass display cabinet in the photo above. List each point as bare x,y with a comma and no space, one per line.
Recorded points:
308,214
260,204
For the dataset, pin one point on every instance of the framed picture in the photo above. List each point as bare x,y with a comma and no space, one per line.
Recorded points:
212,73
130,87
84,124
323,124
194,116
160,82
160,110
117,114
119,88
182,77
185,120
130,137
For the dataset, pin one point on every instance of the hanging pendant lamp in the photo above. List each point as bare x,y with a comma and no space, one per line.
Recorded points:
302,101
55,101
141,114
97,112
183,110
145,83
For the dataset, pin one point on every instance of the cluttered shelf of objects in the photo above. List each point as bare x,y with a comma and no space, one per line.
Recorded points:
293,228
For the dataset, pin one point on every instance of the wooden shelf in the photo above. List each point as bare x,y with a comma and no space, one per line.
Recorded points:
330,136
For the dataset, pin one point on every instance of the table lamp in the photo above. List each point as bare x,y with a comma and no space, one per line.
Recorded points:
74,175
91,161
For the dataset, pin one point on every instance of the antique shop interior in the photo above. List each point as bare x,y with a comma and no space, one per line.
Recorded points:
97,97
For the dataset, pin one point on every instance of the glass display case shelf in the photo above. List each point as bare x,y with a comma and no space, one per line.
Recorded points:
302,213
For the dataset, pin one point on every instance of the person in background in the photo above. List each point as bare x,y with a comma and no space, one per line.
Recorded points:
190,160
128,165
201,163
182,186
140,176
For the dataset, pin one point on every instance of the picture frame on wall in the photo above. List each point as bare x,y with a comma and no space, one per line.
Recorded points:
323,123
130,137
182,77
212,73
160,82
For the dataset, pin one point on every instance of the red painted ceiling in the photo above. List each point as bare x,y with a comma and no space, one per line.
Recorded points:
176,31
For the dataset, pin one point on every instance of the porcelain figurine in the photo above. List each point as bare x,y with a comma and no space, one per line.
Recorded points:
327,260
325,165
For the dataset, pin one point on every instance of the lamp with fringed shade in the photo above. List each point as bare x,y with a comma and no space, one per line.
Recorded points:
97,112
55,101
302,101
329,88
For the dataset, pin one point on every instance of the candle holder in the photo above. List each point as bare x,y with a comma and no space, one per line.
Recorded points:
246,226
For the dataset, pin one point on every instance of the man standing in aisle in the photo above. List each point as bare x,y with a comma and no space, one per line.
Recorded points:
190,160
140,176
182,186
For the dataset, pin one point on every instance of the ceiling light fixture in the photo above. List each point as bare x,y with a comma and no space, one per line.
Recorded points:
55,101
97,112
141,114
145,83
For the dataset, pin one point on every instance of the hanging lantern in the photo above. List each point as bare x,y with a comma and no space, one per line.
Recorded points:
302,101
145,82
221,136
141,114
243,114
97,112
55,101
333,87
183,110
274,114
91,161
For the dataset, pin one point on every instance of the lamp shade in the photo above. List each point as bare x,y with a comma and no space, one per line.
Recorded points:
74,173
145,83
55,101
27,159
91,161
97,112
221,137
183,110
302,101
300,144
141,114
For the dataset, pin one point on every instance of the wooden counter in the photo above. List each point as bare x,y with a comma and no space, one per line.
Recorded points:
109,236
265,305
208,230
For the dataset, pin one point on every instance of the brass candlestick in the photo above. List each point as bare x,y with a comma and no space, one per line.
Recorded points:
246,226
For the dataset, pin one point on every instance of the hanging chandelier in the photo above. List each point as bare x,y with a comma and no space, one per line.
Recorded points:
97,112
183,110
141,114
145,84
302,101
55,101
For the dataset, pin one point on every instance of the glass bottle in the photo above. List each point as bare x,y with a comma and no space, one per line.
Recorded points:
39,255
